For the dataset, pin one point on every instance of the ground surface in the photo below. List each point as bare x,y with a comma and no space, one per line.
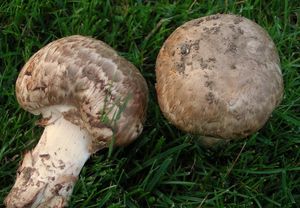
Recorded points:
164,167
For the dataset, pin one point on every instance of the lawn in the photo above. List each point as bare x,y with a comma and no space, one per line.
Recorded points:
164,167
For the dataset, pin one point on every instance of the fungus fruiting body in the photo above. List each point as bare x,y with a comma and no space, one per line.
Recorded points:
88,97
219,76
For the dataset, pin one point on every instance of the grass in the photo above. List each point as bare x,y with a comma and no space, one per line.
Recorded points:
164,167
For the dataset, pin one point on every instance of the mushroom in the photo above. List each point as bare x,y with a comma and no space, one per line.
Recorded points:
219,76
89,98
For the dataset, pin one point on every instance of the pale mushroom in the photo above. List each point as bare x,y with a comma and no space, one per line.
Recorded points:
89,98
219,77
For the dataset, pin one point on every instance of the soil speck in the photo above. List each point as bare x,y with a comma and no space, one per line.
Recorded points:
185,49
180,67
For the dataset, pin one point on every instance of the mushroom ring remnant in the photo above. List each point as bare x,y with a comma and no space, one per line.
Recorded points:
89,97
219,76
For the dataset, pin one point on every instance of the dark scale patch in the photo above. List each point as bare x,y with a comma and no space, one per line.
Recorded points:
203,63
212,17
53,96
195,45
45,156
51,178
210,98
237,20
212,59
68,187
27,173
231,48
184,27
233,66
180,67
232,27
214,30
28,73
198,22
240,30
209,84
61,164
236,30
40,88
235,36
56,189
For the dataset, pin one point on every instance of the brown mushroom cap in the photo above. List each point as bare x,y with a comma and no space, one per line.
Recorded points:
107,95
219,76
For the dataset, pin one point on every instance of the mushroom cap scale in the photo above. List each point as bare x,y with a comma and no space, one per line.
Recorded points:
107,95
219,76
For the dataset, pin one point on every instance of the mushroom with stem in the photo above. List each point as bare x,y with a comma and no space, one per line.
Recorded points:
89,97
219,76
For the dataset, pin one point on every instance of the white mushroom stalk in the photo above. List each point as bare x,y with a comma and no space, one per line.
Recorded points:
87,95
49,172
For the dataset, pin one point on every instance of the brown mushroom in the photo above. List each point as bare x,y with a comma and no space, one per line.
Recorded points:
89,97
219,76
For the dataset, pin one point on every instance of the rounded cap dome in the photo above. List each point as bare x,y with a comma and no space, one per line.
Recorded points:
105,94
219,76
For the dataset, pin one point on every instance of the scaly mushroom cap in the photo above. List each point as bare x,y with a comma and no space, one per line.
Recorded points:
106,94
219,76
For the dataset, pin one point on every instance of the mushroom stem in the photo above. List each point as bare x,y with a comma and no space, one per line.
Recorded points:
48,172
